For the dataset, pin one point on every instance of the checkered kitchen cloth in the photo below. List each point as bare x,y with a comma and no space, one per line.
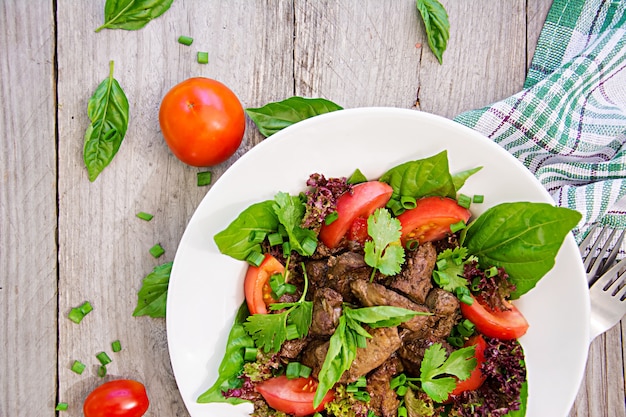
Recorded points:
568,125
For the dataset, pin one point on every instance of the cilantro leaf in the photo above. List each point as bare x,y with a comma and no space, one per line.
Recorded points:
450,267
437,370
290,211
384,252
269,331
301,316
152,296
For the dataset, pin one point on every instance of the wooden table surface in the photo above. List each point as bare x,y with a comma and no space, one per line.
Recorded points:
64,239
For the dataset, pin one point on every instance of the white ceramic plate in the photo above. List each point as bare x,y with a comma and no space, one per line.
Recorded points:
206,287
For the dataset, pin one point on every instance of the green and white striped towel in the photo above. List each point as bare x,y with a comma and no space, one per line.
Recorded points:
568,124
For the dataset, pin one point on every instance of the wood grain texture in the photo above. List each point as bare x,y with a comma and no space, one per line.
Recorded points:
64,240
28,304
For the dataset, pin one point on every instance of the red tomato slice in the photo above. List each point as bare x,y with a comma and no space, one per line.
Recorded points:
358,230
257,284
430,220
365,198
506,324
476,378
292,396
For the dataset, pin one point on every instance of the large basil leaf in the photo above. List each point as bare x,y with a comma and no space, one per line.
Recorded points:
276,116
232,363
437,26
108,111
235,241
132,14
424,177
521,237
152,297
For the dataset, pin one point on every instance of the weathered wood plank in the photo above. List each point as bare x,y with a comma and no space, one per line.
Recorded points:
28,304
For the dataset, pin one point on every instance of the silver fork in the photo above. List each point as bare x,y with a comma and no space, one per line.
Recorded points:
606,278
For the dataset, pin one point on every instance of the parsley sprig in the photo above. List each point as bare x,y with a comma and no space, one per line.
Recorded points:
384,252
449,272
269,331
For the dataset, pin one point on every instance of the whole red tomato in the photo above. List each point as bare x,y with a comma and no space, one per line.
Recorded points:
118,398
202,121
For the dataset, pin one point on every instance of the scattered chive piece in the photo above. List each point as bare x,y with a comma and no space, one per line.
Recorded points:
401,391
455,227
397,381
455,341
365,397
402,411
331,218
86,308
203,57
286,249
293,370
309,245
464,201
204,178
103,358
255,258
257,236
102,371
144,216
275,239
116,346
77,314
157,250
305,371
292,332
412,244
185,40
491,272
61,407
478,198
249,354
396,207
408,202
78,367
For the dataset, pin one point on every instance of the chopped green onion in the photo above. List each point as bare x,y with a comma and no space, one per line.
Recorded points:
185,40
397,381
455,227
102,371
144,216
86,307
395,206
116,346
401,391
478,198
412,244
475,284
331,218
103,358
203,57
491,272
356,177
408,202
275,239
257,236
78,367
464,331
286,249
464,201
255,258
362,396
309,245
442,263
468,325
466,299
361,382
293,370
455,341
157,250
305,371
402,412
440,279
204,178
249,354
292,332
77,314
61,407
351,388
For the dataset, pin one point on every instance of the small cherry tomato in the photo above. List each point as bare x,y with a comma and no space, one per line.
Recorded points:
118,398
476,378
257,284
505,324
292,396
430,220
202,121
366,197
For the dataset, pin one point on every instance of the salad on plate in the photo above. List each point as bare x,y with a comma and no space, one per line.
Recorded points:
384,297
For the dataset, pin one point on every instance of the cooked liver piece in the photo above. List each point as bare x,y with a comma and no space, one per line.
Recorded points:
327,308
415,279
384,401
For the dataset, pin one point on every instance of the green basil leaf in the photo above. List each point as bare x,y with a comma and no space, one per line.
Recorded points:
437,26
521,237
152,297
234,241
459,178
232,363
381,316
423,177
276,116
132,14
108,111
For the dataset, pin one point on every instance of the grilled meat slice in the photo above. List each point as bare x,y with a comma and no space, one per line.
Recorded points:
327,308
415,279
383,400
292,348
373,294
446,312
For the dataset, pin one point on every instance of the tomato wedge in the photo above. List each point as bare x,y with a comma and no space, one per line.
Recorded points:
476,378
430,220
292,396
257,284
365,198
505,324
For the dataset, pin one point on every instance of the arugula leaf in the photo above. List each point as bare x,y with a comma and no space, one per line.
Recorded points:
108,111
435,366
421,178
450,267
522,237
384,252
437,26
132,14
276,116
232,363
235,241
152,296
290,211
